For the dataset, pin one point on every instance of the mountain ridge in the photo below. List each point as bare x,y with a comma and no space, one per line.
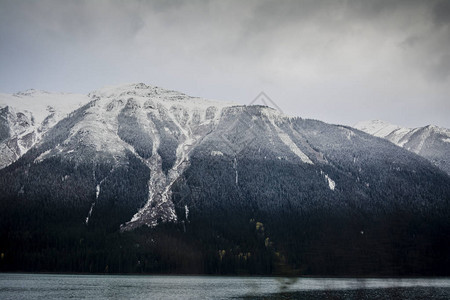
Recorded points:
184,183
26,116
430,141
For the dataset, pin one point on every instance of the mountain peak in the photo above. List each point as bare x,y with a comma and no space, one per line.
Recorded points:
31,92
377,128
429,141
136,155
134,89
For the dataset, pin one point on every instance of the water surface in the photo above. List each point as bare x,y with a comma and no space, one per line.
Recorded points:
42,286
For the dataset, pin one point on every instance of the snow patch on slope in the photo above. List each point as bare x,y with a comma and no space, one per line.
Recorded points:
293,147
331,183
216,153
273,116
42,156
186,212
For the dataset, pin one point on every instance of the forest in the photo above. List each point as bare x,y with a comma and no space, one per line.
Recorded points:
256,209
247,230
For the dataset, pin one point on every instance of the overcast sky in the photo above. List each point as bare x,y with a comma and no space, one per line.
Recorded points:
336,61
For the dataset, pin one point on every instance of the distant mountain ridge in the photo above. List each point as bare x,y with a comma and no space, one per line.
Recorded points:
26,116
431,142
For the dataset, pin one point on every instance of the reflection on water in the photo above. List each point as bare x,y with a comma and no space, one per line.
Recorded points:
414,293
39,286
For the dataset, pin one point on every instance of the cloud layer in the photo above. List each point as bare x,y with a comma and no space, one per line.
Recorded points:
338,61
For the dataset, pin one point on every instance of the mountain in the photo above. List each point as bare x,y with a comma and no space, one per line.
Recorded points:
26,116
430,141
143,179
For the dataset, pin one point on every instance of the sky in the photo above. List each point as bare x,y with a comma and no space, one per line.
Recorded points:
339,61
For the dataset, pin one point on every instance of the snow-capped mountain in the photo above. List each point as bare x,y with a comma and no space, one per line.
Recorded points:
162,131
430,141
26,116
136,156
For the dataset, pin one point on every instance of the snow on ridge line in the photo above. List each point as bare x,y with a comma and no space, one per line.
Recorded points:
33,113
383,129
43,104
402,136
377,127
168,98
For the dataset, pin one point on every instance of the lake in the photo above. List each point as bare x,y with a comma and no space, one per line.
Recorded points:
43,286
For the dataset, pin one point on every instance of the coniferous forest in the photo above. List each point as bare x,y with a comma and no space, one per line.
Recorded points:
227,231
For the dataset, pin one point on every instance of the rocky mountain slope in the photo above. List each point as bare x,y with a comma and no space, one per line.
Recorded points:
430,141
221,187
26,116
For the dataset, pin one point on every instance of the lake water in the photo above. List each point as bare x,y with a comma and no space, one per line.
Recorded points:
40,286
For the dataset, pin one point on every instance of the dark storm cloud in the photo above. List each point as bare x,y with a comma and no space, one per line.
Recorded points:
422,25
336,60
441,13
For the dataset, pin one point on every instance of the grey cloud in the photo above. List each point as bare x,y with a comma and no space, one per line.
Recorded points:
308,55
441,13
440,68
162,6
413,23
72,20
